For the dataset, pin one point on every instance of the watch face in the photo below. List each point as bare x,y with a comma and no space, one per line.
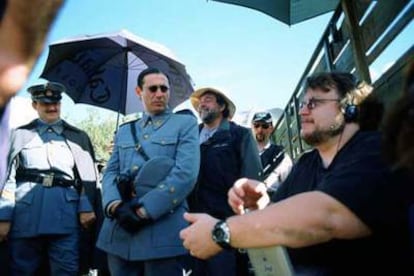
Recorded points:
221,234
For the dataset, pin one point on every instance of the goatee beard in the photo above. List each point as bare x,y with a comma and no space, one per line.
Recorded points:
208,116
320,136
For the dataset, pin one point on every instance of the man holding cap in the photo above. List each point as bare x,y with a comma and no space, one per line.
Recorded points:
43,204
276,163
228,152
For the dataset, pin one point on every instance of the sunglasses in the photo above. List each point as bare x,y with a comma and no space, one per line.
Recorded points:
312,103
264,126
154,88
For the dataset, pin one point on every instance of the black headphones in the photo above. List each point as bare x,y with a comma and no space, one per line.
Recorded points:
350,112
349,109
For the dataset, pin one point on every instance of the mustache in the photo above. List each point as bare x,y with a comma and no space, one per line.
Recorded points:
305,120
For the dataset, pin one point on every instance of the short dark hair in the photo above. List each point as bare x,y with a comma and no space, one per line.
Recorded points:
148,71
342,81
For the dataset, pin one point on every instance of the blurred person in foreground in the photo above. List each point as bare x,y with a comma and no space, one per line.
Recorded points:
23,30
276,162
228,152
44,205
398,142
148,177
338,212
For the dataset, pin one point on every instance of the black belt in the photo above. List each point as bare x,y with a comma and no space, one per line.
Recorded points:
48,180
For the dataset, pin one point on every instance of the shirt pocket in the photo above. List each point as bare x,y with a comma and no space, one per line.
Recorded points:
23,209
68,209
126,153
164,145
34,156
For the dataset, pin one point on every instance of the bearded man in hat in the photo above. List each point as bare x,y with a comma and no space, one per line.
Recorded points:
43,205
276,163
228,152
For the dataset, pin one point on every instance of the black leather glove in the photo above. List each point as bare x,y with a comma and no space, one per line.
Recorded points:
128,219
125,187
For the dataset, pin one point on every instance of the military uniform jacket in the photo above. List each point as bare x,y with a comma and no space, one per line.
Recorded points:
167,134
34,209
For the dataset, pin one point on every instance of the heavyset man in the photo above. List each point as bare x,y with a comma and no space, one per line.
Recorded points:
44,204
338,211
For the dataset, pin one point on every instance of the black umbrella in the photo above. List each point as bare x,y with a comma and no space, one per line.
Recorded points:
102,70
288,11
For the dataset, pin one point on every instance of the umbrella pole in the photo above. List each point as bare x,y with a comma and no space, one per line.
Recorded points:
117,121
124,83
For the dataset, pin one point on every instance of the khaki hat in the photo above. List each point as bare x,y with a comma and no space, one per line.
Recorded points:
195,99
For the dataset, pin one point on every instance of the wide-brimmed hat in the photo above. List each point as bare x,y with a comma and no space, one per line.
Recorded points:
50,92
195,99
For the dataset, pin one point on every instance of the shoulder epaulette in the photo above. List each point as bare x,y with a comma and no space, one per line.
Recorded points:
130,118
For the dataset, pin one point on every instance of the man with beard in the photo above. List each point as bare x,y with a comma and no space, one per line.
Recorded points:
228,152
275,162
338,212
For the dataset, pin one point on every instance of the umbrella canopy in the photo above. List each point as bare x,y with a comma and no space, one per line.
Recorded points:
288,11
102,70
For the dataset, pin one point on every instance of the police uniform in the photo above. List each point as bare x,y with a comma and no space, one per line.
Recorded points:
51,165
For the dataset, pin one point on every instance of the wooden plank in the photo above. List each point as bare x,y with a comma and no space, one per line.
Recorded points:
395,30
346,60
378,21
356,41
391,84
342,31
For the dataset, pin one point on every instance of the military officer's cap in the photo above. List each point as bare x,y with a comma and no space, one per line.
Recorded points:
50,92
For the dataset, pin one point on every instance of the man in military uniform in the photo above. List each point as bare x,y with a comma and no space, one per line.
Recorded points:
156,159
44,203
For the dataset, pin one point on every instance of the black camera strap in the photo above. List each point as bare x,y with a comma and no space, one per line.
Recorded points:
138,146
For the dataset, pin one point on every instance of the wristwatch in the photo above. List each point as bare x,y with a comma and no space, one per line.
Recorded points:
221,234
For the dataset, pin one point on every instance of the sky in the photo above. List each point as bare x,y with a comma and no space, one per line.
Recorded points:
254,58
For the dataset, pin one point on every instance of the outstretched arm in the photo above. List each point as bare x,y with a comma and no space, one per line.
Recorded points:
288,223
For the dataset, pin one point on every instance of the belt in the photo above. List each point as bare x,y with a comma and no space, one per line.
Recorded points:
49,180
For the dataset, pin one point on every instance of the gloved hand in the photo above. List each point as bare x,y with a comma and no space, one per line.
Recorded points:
128,219
125,187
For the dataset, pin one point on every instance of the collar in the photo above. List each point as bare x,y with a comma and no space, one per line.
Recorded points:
266,146
156,120
224,124
42,126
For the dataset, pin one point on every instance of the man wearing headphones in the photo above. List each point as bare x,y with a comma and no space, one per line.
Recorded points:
338,212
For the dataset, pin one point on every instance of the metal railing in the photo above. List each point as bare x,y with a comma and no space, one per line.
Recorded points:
358,32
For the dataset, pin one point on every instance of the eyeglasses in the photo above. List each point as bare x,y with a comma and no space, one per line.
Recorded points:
312,103
154,88
264,126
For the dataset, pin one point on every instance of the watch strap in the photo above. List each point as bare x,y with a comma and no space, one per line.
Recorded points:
221,234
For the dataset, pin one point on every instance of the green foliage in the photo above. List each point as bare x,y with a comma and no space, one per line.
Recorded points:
100,130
